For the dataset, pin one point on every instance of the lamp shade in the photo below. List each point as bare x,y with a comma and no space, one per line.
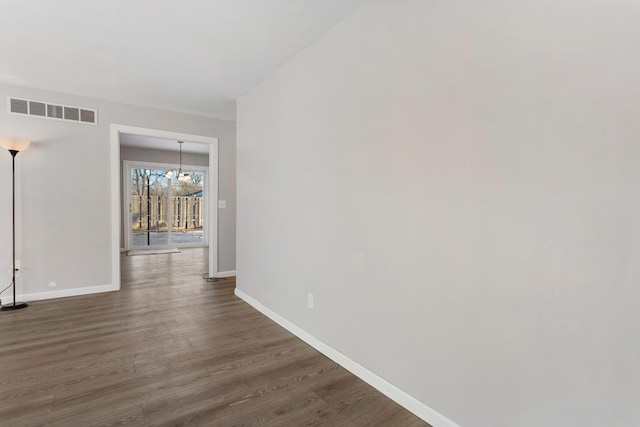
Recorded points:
15,144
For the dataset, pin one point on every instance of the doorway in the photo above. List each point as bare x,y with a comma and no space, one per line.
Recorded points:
211,234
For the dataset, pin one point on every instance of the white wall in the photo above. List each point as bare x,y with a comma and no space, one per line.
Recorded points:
64,183
457,182
162,156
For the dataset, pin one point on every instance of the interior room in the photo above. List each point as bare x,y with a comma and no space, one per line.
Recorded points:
342,212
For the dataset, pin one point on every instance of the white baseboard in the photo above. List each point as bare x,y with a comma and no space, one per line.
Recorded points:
404,399
62,293
222,274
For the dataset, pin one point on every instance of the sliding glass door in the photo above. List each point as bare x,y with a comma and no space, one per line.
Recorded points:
165,211
187,203
148,207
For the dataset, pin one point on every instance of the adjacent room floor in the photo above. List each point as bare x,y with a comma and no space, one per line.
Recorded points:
172,349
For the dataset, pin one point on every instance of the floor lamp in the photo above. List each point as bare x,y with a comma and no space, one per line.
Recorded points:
14,145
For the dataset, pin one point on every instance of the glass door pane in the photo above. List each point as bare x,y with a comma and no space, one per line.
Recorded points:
187,204
149,207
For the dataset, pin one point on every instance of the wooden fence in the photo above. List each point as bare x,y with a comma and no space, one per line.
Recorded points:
151,213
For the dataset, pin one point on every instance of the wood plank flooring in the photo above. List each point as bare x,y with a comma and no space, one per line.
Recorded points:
170,349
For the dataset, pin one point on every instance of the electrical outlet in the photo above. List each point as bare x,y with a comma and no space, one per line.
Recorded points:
310,300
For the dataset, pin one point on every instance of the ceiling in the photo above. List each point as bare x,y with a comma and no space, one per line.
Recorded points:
192,56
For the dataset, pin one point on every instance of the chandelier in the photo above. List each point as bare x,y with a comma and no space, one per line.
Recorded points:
182,177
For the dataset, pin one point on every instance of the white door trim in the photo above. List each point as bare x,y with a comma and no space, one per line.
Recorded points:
212,217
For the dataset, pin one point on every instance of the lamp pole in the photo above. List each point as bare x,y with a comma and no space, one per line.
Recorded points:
14,153
14,305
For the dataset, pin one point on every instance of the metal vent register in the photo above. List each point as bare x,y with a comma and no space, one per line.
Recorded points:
47,110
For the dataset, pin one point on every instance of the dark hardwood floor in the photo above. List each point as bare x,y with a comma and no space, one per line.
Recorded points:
170,349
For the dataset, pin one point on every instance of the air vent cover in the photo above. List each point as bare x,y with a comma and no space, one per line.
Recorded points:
48,110
19,106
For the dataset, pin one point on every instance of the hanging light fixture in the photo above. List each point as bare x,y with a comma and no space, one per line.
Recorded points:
182,177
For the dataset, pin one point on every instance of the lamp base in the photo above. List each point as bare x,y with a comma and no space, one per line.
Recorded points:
12,306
